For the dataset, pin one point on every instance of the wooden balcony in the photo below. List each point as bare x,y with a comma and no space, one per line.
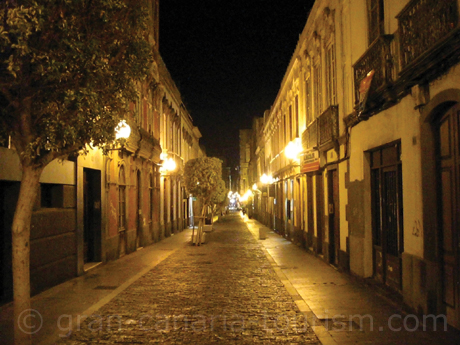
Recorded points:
429,40
323,132
377,57
328,127
310,137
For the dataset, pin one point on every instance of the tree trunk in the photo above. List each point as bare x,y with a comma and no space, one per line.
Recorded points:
23,321
200,227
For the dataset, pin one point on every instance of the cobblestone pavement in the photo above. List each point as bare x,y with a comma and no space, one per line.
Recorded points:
223,292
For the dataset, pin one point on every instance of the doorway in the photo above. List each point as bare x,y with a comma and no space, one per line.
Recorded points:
9,192
334,220
319,213
139,221
91,215
448,157
387,214
310,219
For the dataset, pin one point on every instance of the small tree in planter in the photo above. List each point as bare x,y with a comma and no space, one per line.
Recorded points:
68,72
218,198
202,176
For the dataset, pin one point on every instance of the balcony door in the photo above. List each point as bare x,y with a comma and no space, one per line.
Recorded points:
449,176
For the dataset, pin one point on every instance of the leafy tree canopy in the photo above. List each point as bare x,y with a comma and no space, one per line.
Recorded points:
202,176
68,71
220,194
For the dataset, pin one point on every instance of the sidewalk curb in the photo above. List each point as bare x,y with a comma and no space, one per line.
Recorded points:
52,339
320,331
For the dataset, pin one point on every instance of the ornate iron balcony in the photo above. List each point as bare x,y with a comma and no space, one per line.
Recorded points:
328,126
323,131
378,57
422,23
429,40
310,136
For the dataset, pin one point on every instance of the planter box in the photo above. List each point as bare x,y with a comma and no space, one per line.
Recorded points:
262,233
203,238
207,227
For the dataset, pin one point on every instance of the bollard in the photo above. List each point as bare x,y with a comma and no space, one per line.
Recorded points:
262,233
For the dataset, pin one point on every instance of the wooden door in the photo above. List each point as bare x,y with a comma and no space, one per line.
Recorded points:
448,157
319,212
310,217
387,214
334,221
91,215
139,220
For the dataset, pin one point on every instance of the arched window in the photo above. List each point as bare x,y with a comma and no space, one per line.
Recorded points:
122,199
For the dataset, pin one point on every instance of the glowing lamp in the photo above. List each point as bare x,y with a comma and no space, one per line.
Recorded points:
169,164
123,130
293,149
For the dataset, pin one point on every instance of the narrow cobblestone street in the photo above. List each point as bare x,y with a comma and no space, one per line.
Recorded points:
224,291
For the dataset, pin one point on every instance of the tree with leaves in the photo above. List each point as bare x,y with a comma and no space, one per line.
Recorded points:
202,178
219,198
68,72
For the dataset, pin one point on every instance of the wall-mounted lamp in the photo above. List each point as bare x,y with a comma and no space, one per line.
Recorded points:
266,179
122,133
123,130
246,196
293,149
168,165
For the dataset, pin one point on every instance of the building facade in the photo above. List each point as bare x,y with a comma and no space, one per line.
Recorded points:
369,103
95,208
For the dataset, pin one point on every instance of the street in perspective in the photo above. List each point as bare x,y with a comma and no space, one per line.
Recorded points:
230,172
244,284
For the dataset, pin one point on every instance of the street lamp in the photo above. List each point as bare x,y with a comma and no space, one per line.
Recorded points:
169,164
265,179
293,149
123,130
122,133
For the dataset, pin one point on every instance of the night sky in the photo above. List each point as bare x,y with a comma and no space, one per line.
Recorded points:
228,58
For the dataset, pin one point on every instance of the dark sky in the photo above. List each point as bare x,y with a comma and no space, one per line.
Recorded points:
228,58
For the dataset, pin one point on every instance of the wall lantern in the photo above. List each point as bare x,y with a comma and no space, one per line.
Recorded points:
122,133
265,179
293,149
123,130
168,165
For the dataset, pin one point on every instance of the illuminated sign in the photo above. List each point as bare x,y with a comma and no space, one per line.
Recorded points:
310,161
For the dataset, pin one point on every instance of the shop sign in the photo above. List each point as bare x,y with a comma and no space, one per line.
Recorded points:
310,161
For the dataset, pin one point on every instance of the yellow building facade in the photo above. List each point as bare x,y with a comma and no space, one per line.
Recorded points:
367,112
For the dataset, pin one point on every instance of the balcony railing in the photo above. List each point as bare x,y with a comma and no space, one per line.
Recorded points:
378,57
323,131
429,40
422,24
310,136
328,126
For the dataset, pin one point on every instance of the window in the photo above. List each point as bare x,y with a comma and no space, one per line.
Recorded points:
291,124
331,76
122,199
285,130
308,99
317,89
375,19
296,110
